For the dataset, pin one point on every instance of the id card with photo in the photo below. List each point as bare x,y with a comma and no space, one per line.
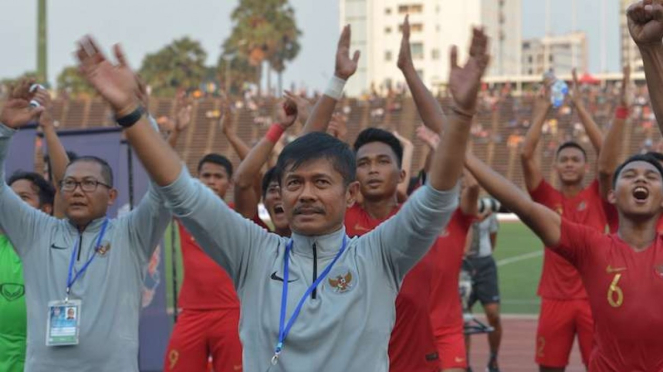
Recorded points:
63,323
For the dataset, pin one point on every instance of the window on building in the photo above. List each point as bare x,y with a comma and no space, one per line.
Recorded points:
387,30
435,54
421,74
417,50
414,27
550,58
387,56
387,11
411,9
530,59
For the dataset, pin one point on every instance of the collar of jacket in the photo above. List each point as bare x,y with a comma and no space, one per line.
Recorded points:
326,245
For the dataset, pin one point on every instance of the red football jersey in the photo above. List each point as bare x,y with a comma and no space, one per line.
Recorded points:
206,285
625,290
412,344
559,279
447,258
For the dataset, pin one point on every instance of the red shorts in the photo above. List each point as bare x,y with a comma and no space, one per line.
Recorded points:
559,322
199,334
451,347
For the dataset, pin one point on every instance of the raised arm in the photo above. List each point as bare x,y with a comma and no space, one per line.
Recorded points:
645,23
612,146
57,155
409,235
429,108
229,129
469,196
182,121
406,164
231,240
246,199
345,68
531,167
20,222
591,128
544,222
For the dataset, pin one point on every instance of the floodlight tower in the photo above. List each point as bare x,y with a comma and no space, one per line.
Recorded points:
42,42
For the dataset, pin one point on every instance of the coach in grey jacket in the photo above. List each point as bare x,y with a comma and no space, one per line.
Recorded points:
110,288
343,323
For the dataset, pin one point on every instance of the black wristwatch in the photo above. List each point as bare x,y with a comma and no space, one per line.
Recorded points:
130,119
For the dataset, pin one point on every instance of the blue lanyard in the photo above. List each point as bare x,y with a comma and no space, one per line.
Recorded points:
283,331
71,281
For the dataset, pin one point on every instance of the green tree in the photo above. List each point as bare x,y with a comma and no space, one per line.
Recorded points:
263,30
234,71
70,80
180,64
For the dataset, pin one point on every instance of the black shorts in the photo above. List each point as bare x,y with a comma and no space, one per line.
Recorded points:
485,286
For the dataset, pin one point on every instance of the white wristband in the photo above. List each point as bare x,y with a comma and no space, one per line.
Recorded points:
335,88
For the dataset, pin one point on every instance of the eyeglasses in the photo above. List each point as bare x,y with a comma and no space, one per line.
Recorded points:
86,185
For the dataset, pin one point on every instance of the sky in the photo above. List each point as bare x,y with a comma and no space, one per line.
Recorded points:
144,26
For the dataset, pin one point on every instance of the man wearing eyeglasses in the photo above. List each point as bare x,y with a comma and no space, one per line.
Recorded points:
87,262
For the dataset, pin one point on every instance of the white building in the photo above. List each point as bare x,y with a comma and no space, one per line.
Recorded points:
435,26
629,51
560,53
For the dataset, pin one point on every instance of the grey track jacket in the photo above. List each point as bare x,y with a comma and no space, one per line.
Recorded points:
110,289
346,327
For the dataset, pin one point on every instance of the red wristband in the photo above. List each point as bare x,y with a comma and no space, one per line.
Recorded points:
621,112
274,133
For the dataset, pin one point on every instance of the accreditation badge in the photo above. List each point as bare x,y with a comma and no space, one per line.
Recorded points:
63,325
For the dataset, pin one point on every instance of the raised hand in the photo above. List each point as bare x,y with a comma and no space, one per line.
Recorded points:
345,66
625,96
286,113
430,138
542,102
228,127
116,83
645,22
17,111
183,117
338,126
304,106
44,98
405,54
575,90
464,82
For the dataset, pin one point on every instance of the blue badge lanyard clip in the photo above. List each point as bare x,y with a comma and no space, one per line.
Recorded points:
283,331
70,280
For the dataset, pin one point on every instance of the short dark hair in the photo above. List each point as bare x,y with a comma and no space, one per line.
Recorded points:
218,160
369,135
269,177
640,157
106,170
314,146
46,190
656,155
571,144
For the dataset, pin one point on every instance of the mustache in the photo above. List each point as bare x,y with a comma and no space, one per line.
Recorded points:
298,210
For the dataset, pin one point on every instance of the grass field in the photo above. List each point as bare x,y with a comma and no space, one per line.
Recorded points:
519,254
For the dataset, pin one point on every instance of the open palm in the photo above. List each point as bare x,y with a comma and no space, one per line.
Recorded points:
17,111
464,82
116,83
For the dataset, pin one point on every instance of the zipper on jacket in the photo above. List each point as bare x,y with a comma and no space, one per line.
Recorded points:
315,270
80,245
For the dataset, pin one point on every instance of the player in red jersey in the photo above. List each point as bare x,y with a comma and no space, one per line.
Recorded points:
447,254
565,309
622,272
209,321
